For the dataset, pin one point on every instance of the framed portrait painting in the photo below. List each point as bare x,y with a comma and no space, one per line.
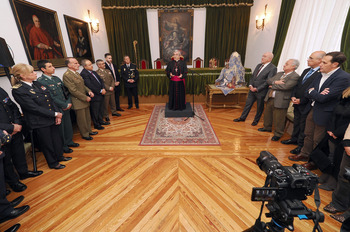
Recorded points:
79,37
40,32
175,33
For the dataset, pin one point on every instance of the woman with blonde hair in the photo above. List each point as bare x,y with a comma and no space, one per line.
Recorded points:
40,113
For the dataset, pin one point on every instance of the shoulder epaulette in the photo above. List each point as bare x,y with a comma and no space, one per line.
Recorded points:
16,86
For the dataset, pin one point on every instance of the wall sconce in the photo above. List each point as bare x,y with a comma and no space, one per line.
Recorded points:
94,24
260,21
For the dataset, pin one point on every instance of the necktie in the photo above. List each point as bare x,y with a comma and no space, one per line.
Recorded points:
128,65
259,69
307,76
95,77
112,69
35,87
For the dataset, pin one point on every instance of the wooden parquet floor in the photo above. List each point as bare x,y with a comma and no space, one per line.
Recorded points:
112,184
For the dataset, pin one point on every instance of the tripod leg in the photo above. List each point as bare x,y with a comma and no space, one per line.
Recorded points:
33,150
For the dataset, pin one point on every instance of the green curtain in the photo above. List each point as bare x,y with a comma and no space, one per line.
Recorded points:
123,27
345,43
282,28
226,31
161,4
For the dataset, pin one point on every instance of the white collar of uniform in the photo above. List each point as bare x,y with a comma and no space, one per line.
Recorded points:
28,83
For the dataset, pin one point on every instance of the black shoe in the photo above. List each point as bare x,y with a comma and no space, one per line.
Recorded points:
16,212
239,120
18,187
254,123
129,107
67,150
93,133
117,114
264,130
137,107
120,109
296,151
8,192
30,174
73,145
88,138
59,166
65,159
105,123
99,128
13,228
107,119
289,141
17,201
275,138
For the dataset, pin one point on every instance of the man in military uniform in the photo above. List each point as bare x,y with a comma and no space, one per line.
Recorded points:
108,79
81,96
11,121
62,100
130,75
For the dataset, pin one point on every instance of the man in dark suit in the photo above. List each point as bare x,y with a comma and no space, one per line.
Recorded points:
258,88
300,101
114,70
93,81
278,97
130,75
324,93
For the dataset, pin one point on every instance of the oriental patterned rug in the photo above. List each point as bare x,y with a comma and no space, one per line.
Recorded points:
161,131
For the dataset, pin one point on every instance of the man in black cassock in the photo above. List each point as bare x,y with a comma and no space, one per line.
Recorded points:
177,71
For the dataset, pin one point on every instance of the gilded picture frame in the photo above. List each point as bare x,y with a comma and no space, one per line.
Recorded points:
175,33
79,38
40,32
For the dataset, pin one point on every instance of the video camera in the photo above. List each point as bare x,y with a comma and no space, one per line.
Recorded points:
285,187
294,182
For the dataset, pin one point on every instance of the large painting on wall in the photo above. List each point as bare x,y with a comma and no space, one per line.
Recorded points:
175,33
40,32
79,37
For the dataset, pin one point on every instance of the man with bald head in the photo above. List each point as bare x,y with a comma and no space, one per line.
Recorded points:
94,82
300,102
258,88
278,97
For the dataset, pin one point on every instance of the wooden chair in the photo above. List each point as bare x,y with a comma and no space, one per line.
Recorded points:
213,62
143,64
198,63
158,64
